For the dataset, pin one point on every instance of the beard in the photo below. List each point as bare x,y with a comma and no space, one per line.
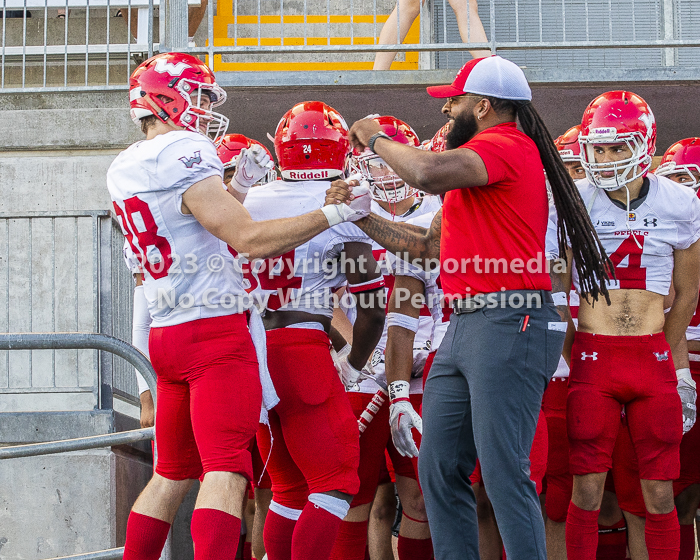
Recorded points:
464,128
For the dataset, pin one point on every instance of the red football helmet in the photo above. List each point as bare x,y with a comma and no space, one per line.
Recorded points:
437,143
682,157
568,144
170,86
311,142
386,185
231,145
618,117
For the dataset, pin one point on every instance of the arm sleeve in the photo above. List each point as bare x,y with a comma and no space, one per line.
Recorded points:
689,229
186,162
141,328
551,240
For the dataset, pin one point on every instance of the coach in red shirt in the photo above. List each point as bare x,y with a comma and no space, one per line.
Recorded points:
485,388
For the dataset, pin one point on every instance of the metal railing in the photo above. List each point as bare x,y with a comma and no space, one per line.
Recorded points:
91,49
64,272
63,341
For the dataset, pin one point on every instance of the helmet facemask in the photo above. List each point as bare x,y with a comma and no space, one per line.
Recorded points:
625,170
692,170
386,185
192,91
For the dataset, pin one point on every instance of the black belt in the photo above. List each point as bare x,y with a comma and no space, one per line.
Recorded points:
491,300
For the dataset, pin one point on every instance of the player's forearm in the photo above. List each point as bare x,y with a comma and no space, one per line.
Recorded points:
262,240
367,329
676,324
399,237
399,354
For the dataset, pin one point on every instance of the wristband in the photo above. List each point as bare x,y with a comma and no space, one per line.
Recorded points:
559,298
332,214
398,391
368,286
375,137
400,320
683,374
238,187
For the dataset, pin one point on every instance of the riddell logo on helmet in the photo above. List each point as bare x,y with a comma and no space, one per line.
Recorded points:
309,174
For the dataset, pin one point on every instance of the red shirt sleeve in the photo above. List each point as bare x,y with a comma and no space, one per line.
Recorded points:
499,154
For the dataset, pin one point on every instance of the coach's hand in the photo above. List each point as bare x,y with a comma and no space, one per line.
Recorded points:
688,395
148,411
362,131
252,165
402,418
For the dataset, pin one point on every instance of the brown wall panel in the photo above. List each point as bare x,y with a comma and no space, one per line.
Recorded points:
256,111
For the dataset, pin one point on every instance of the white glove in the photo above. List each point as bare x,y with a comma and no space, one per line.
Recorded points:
402,418
688,395
358,208
339,355
348,374
252,165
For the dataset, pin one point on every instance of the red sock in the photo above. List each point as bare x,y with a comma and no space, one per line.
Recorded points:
277,535
581,533
351,541
612,541
687,542
415,549
215,534
247,551
663,536
315,534
145,537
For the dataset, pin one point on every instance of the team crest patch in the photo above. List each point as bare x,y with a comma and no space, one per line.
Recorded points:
661,356
192,161
632,217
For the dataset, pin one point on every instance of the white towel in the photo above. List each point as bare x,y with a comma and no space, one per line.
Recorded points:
257,333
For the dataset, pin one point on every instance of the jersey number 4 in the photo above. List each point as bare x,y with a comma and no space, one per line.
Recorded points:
634,275
137,222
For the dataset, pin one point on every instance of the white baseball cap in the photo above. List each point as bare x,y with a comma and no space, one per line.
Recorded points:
492,76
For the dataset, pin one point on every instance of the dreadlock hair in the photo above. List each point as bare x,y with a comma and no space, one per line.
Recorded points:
573,222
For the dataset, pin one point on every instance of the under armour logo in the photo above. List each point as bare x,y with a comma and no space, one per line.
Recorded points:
194,160
661,356
650,222
593,355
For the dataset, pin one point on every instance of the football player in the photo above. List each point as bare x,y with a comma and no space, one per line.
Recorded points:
394,199
312,442
612,543
168,195
624,353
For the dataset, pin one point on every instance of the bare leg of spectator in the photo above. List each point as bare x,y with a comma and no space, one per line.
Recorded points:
408,12
470,27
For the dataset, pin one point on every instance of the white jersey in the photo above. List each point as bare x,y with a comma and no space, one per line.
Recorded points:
421,215
305,278
188,273
668,219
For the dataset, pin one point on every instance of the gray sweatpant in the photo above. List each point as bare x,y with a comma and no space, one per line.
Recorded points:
482,398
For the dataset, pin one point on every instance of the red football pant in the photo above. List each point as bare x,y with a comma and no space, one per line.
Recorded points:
559,480
209,397
374,440
316,439
636,371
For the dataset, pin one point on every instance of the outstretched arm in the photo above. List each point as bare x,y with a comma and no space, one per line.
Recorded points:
396,237
226,218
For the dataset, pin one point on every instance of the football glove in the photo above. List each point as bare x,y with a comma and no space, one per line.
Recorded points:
358,208
402,418
688,395
348,374
252,165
